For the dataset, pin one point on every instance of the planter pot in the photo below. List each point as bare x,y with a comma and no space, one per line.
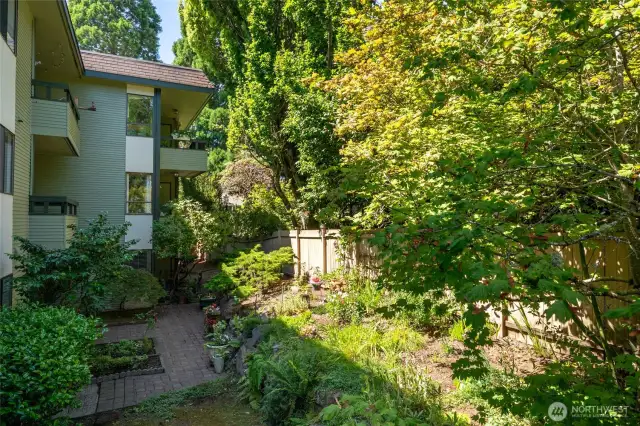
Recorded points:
218,364
206,301
216,355
183,300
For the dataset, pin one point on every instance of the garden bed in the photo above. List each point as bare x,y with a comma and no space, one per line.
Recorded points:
124,358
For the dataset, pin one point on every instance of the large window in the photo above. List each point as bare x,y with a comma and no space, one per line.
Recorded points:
139,116
8,21
6,291
138,193
7,149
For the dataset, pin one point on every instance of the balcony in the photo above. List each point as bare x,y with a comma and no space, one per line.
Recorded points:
49,220
183,157
54,119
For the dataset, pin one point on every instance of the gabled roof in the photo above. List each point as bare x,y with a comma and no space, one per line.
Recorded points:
138,70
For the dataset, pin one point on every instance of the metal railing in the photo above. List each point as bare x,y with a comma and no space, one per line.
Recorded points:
50,91
168,142
49,205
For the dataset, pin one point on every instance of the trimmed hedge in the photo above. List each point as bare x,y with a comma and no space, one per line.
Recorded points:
44,353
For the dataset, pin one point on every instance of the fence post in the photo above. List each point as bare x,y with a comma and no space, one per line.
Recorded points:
323,235
299,250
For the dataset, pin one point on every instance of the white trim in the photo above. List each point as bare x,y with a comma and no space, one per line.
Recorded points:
134,89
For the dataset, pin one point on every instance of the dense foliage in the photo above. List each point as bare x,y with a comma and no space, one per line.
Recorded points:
135,285
487,137
44,353
120,27
77,276
249,271
266,57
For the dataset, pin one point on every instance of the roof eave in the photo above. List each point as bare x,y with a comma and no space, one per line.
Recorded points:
147,81
71,34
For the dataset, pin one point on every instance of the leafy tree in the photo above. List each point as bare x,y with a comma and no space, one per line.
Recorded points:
120,27
486,137
76,276
44,352
135,285
267,56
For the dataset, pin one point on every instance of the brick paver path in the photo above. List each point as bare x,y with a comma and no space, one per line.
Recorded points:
179,340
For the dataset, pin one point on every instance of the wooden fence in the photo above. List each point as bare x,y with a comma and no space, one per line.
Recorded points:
318,250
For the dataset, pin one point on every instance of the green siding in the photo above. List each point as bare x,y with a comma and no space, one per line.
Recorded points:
73,129
22,171
53,118
50,231
49,118
183,159
95,179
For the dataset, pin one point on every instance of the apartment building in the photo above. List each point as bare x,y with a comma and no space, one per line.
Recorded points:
84,133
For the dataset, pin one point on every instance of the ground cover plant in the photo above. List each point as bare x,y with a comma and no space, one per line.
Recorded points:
124,355
45,361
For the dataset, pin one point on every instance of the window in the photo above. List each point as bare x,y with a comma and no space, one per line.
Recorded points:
7,149
139,116
141,260
8,21
138,193
6,291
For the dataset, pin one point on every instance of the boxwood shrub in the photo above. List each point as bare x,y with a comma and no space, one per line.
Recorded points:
44,353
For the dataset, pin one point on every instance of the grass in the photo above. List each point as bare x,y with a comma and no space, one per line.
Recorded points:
164,406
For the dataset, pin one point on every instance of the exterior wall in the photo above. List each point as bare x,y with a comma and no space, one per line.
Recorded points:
56,119
139,159
6,233
73,129
139,154
49,118
140,230
96,179
50,230
22,172
8,120
7,87
183,159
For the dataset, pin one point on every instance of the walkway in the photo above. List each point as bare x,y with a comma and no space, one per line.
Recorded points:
179,340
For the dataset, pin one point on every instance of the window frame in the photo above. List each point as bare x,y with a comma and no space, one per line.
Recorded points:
130,123
3,132
4,23
3,282
148,204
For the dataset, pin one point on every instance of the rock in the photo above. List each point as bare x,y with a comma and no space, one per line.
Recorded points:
107,417
240,358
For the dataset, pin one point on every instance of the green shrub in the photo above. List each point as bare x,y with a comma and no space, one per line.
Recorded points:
459,330
44,353
121,356
358,410
243,326
102,365
79,275
135,285
248,271
291,305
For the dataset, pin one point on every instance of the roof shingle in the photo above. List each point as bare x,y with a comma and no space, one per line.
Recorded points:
138,68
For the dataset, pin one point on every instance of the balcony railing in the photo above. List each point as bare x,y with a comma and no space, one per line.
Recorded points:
50,91
168,142
48,205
